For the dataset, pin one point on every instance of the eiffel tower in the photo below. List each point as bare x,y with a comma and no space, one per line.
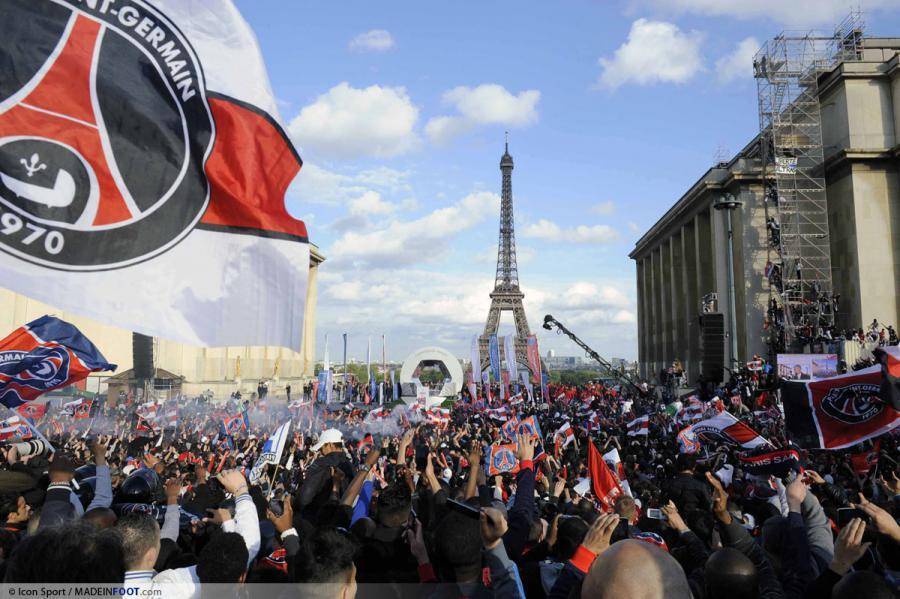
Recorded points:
506,295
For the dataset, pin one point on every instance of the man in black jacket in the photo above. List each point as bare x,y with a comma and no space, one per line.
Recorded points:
317,487
685,490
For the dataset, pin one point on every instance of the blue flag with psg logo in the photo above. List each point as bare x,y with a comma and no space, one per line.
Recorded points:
45,354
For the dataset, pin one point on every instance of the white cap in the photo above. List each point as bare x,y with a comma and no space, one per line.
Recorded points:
331,435
129,469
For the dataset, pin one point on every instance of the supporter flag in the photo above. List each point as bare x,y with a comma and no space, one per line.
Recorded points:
725,428
837,412
534,357
169,418
231,425
15,426
509,350
639,426
379,414
772,463
530,426
473,390
365,444
613,460
545,381
438,416
863,462
146,147
529,388
565,434
78,409
43,355
510,428
475,358
652,538
494,355
144,426
395,386
500,459
500,414
692,412
604,483
271,452
889,358
33,411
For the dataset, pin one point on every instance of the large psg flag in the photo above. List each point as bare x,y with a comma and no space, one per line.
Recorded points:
837,412
44,355
143,171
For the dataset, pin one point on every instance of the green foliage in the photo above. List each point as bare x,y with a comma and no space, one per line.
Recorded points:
573,377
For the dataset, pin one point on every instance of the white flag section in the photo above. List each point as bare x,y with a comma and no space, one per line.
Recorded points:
271,452
143,171
509,350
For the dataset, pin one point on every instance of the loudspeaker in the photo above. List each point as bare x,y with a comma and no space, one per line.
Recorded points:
712,342
142,356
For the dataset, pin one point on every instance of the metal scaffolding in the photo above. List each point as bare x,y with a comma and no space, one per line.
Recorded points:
787,70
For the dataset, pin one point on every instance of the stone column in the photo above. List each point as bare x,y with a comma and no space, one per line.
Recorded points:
690,292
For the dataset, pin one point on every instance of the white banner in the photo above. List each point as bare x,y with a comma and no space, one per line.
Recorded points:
143,171
509,348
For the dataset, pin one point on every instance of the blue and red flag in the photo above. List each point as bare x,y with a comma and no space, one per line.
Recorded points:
529,426
232,425
500,459
44,355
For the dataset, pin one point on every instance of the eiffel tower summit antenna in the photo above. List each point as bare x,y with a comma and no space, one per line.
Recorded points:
506,296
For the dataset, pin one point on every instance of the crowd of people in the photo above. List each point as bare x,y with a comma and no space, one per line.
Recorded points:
486,498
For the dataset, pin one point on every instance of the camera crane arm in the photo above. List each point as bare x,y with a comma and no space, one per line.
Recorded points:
550,322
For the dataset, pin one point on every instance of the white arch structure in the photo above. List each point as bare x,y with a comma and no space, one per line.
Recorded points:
434,355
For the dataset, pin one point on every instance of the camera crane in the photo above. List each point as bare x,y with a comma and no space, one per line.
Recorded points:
550,322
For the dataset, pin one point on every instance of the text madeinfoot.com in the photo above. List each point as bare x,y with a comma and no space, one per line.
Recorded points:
59,590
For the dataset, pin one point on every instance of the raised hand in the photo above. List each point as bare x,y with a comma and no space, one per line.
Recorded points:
525,450
233,482
673,518
286,520
796,493
883,521
416,541
597,538
848,547
173,490
720,499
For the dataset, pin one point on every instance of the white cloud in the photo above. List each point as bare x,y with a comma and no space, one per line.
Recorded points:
486,104
655,52
550,231
317,185
795,12
419,240
371,202
633,227
347,122
739,63
376,40
604,208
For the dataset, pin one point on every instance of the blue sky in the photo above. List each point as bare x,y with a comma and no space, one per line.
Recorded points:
399,111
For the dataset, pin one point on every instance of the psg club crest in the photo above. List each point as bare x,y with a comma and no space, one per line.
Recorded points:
104,133
47,368
853,404
503,460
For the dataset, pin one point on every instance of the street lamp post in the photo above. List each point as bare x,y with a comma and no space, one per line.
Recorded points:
728,203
